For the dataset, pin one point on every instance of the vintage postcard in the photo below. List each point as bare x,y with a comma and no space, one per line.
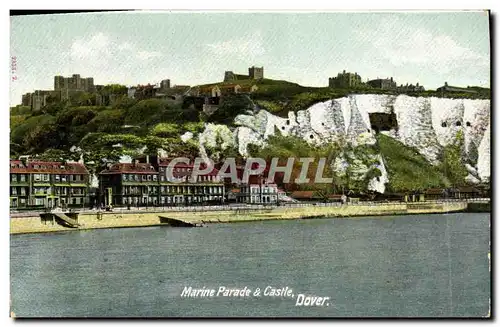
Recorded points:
250,164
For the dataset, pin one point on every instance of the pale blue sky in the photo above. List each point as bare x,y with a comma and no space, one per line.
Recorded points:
307,48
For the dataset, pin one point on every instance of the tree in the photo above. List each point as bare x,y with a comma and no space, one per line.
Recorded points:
57,155
107,121
229,108
84,99
19,133
42,137
453,162
116,89
165,130
123,102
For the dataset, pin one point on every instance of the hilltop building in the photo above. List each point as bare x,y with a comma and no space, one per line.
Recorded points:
455,89
74,83
345,80
410,88
383,83
253,73
165,84
39,98
256,72
229,76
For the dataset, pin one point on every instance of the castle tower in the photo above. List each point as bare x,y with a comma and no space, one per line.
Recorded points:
165,84
256,72
229,76
77,81
59,82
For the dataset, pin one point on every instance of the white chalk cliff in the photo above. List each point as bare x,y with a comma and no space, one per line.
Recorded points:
427,124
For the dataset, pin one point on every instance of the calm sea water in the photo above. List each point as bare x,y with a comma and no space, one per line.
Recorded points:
425,266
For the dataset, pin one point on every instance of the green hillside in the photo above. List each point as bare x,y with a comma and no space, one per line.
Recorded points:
107,132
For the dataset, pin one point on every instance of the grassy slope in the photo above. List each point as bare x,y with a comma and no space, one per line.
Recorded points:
407,168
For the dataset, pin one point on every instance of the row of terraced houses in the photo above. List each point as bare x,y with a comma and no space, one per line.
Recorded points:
56,184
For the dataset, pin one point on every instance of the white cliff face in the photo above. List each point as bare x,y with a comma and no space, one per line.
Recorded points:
215,138
483,162
426,124
186,136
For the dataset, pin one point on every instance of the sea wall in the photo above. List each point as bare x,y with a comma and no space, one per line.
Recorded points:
125,219
479,207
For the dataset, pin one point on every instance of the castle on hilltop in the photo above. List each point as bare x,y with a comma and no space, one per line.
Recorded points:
345,80
74,83
253,73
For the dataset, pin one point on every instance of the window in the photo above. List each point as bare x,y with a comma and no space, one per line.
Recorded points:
73,201
137,178
13,177
23,191
155,178
45,177
143,177
57,178
63,178
149,177
23,201
14,190
37,177
23,177
39,202
124,177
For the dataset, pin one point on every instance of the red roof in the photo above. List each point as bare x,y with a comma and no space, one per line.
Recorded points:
228,86
247,88
304,195
128,168
164,162
434,191
468,189
47,167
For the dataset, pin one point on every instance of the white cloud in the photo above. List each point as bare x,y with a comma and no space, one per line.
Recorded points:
246,47
145,55
404,45
96,46
100,48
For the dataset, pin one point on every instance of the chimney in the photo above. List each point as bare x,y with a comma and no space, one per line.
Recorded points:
147,158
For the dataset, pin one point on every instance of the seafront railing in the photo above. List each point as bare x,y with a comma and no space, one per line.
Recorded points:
252,207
